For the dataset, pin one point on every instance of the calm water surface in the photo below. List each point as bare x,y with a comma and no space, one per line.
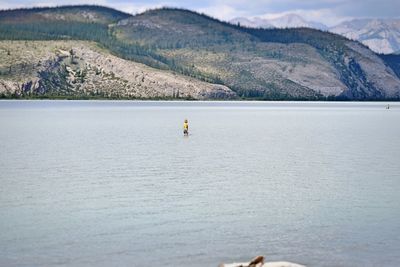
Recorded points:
94,183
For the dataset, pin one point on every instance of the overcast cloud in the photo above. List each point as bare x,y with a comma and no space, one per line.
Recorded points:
329,12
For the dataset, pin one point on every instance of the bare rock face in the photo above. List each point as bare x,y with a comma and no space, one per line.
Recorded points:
381,78
267,64
380,35
273,64
62,68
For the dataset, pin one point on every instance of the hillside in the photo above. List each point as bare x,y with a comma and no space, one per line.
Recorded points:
381,35
255,63
72,69
81,13
265,63
393,60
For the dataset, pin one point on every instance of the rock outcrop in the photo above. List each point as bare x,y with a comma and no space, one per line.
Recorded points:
176,53
79,68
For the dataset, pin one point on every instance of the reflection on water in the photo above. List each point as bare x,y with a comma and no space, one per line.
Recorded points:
97,183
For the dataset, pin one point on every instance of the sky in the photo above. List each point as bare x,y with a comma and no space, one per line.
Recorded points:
329,12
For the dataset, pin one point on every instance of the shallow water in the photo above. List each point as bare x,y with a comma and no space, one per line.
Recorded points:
105,183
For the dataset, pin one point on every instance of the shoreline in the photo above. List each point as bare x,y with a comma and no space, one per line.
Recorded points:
195,100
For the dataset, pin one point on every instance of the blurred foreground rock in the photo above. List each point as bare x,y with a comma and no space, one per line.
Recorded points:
259,262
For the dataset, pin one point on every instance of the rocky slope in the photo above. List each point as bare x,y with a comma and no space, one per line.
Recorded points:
82,69
268,64
381,35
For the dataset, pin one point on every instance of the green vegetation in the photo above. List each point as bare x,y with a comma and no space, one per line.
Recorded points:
393,61
53,29
82,13
198,46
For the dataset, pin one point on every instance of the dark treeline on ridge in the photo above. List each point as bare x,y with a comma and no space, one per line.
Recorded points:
111,29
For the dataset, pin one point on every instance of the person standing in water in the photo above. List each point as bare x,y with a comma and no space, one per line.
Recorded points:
186,127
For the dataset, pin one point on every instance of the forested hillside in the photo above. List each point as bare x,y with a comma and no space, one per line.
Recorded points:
393,61
255,63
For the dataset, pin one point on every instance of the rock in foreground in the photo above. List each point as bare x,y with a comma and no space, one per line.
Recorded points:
259,262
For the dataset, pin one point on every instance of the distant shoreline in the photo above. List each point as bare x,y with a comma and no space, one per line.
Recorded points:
195,100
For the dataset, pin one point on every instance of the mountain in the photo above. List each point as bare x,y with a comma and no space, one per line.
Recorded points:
285,21
80,13
392,60
381,35
295,21
252,22
81,69
85,51
50,64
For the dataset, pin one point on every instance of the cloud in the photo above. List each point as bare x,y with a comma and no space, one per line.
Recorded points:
224,12
135,8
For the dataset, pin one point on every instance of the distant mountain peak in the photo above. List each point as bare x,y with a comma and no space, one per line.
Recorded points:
301,63
380,35
285,21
